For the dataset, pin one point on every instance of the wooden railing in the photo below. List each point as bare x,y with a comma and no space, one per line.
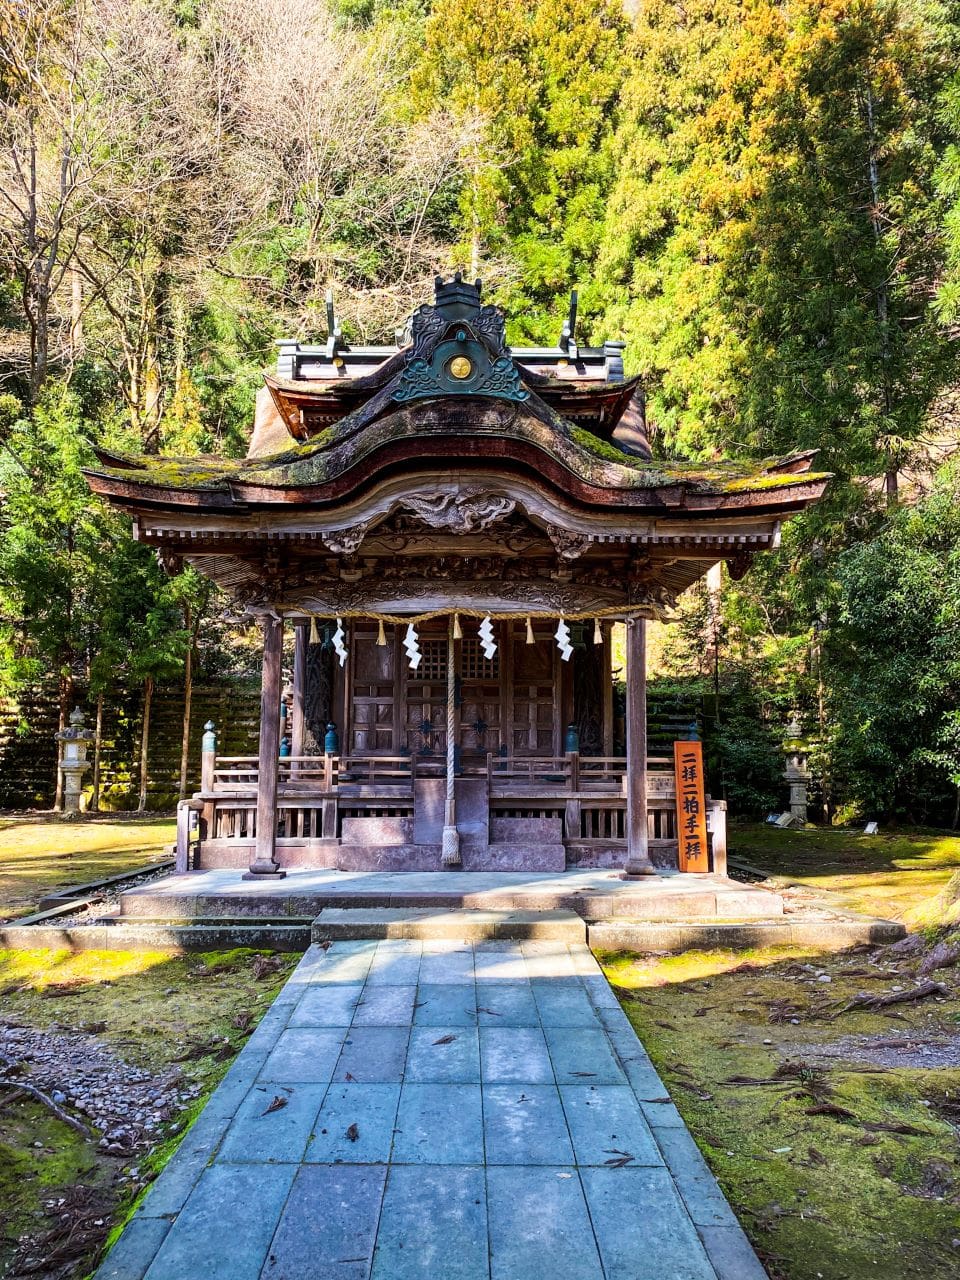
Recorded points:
327,773
233,774
369,771
573,773
241,773
587,793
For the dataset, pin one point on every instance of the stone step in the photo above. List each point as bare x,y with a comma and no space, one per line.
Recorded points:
836,934
337,924
158,935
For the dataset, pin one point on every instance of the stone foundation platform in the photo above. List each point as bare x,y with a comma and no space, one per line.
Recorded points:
206,910
592,895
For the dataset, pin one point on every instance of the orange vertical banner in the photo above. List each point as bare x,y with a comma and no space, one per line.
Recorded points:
691,806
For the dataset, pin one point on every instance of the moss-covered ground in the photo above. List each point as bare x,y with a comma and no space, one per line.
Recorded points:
839,1168
188,1013
37,856
835,1141
895,874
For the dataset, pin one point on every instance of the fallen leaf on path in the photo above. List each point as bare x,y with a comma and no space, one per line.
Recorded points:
353,1133
618,1158
275,1105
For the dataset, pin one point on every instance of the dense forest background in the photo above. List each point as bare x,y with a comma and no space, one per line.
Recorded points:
762,199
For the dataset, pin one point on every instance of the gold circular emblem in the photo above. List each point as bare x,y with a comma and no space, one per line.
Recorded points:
460,367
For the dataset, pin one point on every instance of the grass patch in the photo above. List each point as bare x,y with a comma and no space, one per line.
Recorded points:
151,1007
39,856
40,1159
894,874
829,1195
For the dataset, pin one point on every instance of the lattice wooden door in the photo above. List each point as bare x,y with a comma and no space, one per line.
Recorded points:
534,696
480,699
373,671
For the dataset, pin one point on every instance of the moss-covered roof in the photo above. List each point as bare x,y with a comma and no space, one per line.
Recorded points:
495,430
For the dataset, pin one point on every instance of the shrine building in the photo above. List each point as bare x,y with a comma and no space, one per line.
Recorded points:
451,528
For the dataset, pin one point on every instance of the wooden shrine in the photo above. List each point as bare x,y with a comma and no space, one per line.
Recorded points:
451,528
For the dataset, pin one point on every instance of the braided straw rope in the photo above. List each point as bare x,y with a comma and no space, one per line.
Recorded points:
619,611
450,849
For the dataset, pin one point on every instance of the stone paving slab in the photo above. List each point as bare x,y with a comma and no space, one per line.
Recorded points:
487,1115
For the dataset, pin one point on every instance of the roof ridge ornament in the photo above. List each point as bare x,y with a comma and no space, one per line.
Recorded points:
458,348
335,343
568,334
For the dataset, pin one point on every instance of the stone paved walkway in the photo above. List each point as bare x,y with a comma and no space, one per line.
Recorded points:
438,1110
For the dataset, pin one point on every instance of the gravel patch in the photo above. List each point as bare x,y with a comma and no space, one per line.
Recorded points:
904,1051
126,1105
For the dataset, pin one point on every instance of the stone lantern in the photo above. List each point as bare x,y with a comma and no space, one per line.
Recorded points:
73,759
796,774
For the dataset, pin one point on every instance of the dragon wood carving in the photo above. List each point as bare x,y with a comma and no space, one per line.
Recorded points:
458,512
568,544
469,512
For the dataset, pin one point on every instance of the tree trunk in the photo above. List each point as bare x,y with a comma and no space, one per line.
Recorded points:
882,291
145,742
187,700
97,745
956,811
38,307
76,315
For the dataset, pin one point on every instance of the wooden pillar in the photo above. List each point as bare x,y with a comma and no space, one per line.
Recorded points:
208,781
607,678
450,847
301,634
265,863
638,853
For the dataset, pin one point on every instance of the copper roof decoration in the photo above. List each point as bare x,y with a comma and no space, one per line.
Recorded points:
458,348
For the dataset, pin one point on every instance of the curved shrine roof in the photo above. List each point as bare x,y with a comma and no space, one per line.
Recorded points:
452,454
467,435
